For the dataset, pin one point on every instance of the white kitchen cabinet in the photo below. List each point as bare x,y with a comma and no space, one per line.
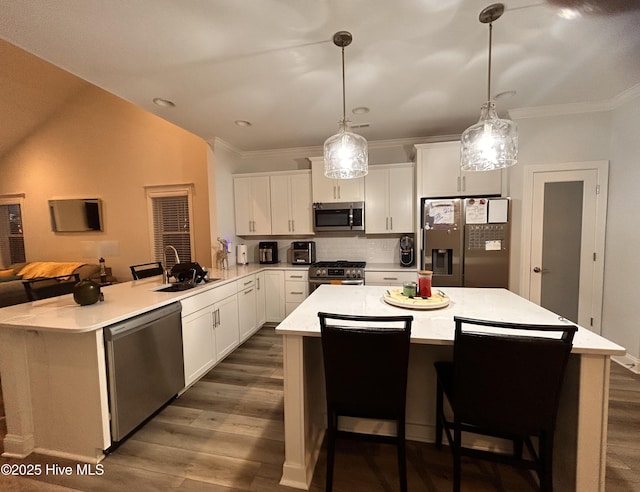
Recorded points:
389,199
209,329
252,205
327,190
291,197
247,306
390,277
274,295
261,307
296,285
198,344
226,326
439,173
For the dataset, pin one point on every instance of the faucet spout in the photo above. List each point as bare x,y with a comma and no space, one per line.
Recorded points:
175,252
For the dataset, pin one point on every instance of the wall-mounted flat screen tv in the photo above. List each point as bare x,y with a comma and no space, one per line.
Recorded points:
76,215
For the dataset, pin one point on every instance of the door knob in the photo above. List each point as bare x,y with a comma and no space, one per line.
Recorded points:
537,269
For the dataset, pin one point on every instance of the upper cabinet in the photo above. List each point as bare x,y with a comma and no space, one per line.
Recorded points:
389,199
327,190
252,205
291,211
439,173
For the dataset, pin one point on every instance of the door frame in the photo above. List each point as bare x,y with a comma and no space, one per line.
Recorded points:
602,186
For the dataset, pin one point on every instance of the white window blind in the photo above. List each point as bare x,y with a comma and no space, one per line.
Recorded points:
11,237
172,226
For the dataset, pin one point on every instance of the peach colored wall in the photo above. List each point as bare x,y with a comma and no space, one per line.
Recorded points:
99,145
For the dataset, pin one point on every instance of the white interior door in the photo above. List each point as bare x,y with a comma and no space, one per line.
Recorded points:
564,270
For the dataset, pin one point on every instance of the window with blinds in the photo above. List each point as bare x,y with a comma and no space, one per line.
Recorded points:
11,237
172,225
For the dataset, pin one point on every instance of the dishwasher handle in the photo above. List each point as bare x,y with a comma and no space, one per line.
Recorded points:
132,325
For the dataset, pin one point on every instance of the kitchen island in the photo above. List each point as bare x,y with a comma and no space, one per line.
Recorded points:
53,365
581,435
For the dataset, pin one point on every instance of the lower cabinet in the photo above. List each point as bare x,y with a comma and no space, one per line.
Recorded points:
209,329
274,295
261,300
296,288
247,301
198,344
390,277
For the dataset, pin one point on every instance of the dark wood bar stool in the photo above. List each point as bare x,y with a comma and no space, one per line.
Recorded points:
145,270
505,382
46,287
366,361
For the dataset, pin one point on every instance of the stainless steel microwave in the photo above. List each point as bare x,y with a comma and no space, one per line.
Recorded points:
329,217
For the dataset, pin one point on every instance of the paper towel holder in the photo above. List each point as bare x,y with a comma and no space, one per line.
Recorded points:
241,254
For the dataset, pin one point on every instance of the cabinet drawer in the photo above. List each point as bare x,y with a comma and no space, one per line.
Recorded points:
246,282
302,275
295,291
390,278
206,297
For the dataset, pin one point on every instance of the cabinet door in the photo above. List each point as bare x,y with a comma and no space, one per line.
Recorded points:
261,205
350,190
376,202
482,183
301,204
324,190
247,312
243,206
441,174
376,215
280,205
327,190
261,308
198,344
401,199
274,294
227,336
440,164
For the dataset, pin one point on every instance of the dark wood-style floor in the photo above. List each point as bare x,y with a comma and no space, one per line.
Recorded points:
225,434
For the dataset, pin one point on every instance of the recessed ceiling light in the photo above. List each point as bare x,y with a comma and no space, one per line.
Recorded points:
360,110
243,123
164,103
569,14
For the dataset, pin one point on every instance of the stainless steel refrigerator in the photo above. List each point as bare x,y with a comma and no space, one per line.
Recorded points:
466,241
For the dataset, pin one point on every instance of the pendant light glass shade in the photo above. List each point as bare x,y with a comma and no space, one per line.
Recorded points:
492,143
346,155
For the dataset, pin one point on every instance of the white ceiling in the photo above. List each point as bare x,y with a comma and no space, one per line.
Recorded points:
419,65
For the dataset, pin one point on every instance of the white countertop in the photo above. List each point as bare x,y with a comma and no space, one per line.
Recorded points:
434,327
389,267
121,301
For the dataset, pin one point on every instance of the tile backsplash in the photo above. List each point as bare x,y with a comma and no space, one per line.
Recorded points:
371,249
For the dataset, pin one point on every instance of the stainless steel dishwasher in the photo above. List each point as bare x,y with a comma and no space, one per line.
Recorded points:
145,366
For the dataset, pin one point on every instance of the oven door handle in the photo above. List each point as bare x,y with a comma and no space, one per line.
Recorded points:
352,282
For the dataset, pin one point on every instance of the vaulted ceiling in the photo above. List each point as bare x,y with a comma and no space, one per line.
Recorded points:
420,66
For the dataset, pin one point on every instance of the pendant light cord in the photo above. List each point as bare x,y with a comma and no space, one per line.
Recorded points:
489,75
344,99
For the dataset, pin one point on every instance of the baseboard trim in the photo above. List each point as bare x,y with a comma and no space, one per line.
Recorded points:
628,362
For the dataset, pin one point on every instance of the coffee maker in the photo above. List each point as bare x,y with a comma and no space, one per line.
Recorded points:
268,252
407,251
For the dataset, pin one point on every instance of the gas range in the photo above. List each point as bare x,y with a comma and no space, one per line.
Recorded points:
337,270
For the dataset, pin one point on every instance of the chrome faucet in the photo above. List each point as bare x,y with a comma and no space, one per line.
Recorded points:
166,270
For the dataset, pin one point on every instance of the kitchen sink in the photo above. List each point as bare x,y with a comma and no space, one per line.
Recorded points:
175,288
180,286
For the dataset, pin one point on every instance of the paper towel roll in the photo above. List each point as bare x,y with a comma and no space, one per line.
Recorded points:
241,254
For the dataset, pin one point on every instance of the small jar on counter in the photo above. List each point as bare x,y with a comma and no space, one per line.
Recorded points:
424,283
409,289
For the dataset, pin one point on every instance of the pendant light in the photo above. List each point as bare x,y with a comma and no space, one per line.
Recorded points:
346,154
492,143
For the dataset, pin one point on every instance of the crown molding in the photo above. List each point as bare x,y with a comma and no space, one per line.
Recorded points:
577,108
316,150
